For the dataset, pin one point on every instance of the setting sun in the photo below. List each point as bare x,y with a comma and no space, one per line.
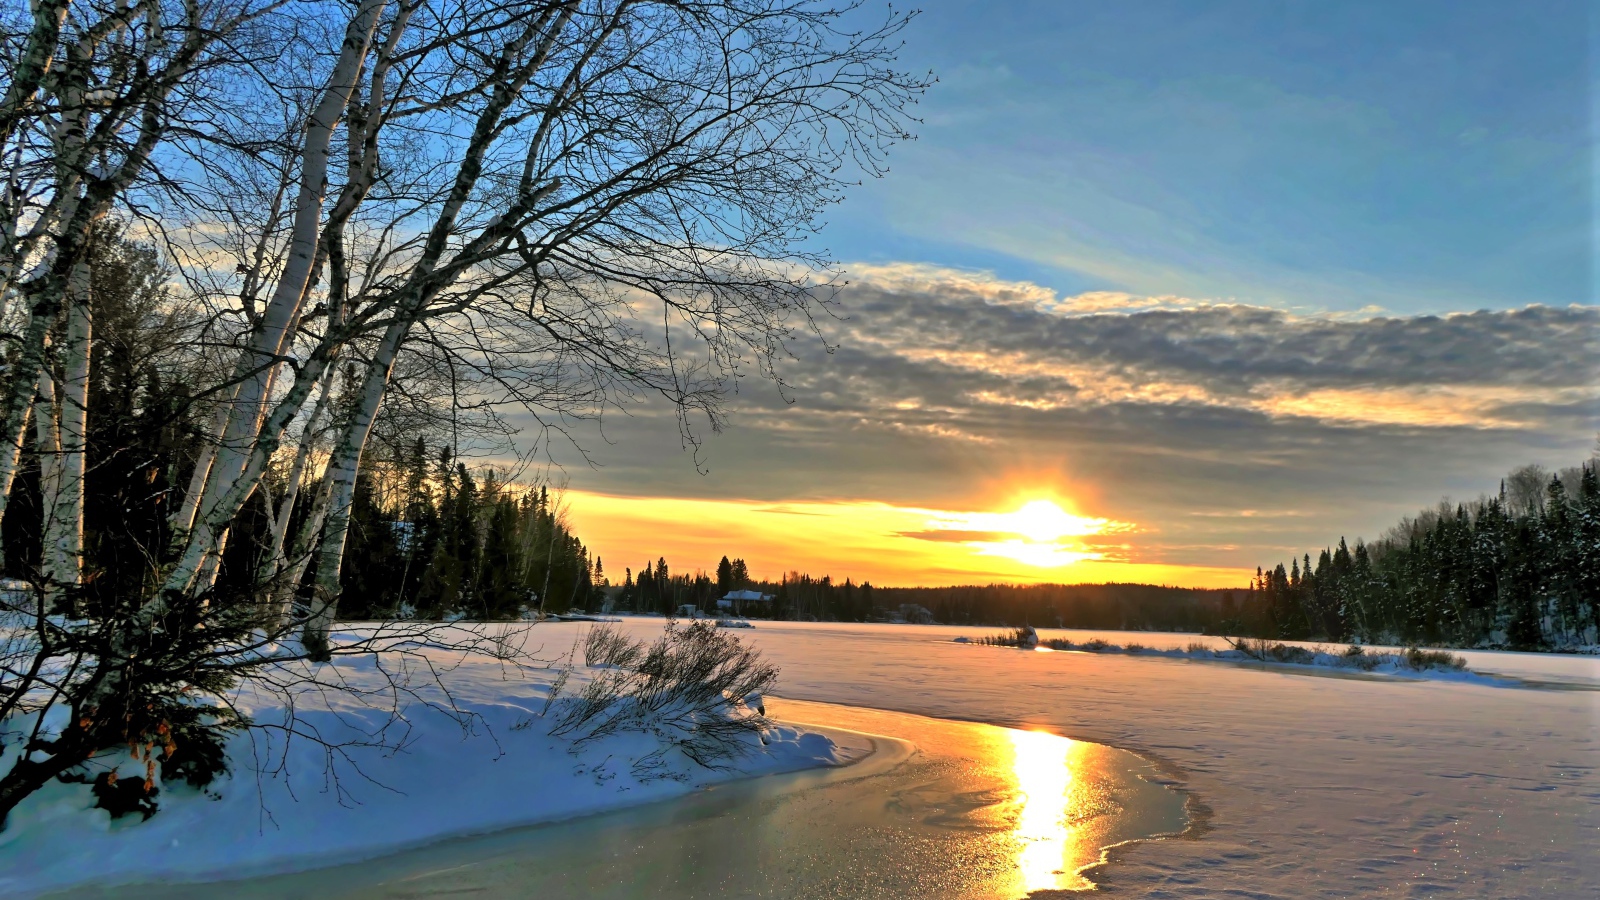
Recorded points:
1039,534
1041,521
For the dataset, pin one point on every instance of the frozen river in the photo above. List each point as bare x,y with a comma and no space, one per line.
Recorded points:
1318,787
1299,787
940,810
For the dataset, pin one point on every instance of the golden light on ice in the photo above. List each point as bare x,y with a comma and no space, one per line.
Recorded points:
1043,769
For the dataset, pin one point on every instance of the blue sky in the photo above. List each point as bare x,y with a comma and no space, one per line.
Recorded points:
1420,157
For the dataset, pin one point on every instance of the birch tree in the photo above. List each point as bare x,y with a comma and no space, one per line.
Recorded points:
92,94
572,205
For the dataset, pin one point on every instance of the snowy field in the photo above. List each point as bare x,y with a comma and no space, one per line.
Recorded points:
485,764
1319,786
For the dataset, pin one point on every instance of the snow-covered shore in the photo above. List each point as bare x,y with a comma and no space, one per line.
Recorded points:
487,763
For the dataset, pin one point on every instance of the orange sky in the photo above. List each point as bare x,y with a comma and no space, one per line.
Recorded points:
1034,540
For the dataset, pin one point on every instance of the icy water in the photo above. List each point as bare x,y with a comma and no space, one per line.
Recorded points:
941,809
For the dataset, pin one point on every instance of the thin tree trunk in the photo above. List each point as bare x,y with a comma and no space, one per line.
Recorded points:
65,534
47,439
343,466
272,567
24,376
281,612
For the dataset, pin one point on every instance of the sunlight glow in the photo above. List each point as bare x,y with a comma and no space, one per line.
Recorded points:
1038,520
877,542
1044,532
1044,556
1042,767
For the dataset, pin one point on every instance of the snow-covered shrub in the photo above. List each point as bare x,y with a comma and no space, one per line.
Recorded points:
1025,637
688,688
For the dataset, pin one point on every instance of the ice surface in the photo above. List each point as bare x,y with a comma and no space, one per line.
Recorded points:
1318,787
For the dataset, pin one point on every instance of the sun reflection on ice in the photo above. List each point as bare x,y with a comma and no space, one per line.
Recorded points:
1043,769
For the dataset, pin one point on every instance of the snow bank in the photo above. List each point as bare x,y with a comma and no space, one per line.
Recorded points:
484,763
1401,663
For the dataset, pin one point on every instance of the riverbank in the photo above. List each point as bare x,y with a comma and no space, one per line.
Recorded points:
941,810
353,781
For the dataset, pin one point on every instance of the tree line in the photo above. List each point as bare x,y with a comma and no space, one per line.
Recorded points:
1519,569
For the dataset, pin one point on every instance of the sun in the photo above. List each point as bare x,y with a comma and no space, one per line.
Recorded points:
1043,521
1039,533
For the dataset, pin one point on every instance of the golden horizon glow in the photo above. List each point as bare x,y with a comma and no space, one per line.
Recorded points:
1038,541
1040,521
1040,526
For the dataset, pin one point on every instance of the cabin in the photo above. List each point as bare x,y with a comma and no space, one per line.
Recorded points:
743,602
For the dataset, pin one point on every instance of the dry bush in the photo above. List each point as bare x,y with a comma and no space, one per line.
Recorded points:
1016,637
1093,645
1134,648
1358,658
687,688
605,645
1198,648
1272,651
1423,660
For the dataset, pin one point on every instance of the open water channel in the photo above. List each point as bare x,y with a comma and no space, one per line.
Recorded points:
941,809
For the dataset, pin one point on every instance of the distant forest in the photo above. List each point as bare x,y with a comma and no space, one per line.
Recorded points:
1519,569
797,595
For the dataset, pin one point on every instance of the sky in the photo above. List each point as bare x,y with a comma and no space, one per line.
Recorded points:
1163,292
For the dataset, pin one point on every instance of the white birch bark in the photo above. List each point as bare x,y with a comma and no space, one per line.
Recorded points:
260,360
274,566
340,481
64,531
47,440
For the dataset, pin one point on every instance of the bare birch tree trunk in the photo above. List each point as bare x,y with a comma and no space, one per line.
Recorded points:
47,440
340,480
20,401
248,410
275,559
64,534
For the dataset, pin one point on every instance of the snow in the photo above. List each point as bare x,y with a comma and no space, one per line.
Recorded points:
1317,786
1371,662
280,811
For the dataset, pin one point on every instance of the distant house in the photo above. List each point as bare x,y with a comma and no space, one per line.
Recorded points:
740,602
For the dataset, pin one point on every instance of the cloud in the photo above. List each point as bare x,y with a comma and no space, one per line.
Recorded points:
925,337
920,279
957,390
